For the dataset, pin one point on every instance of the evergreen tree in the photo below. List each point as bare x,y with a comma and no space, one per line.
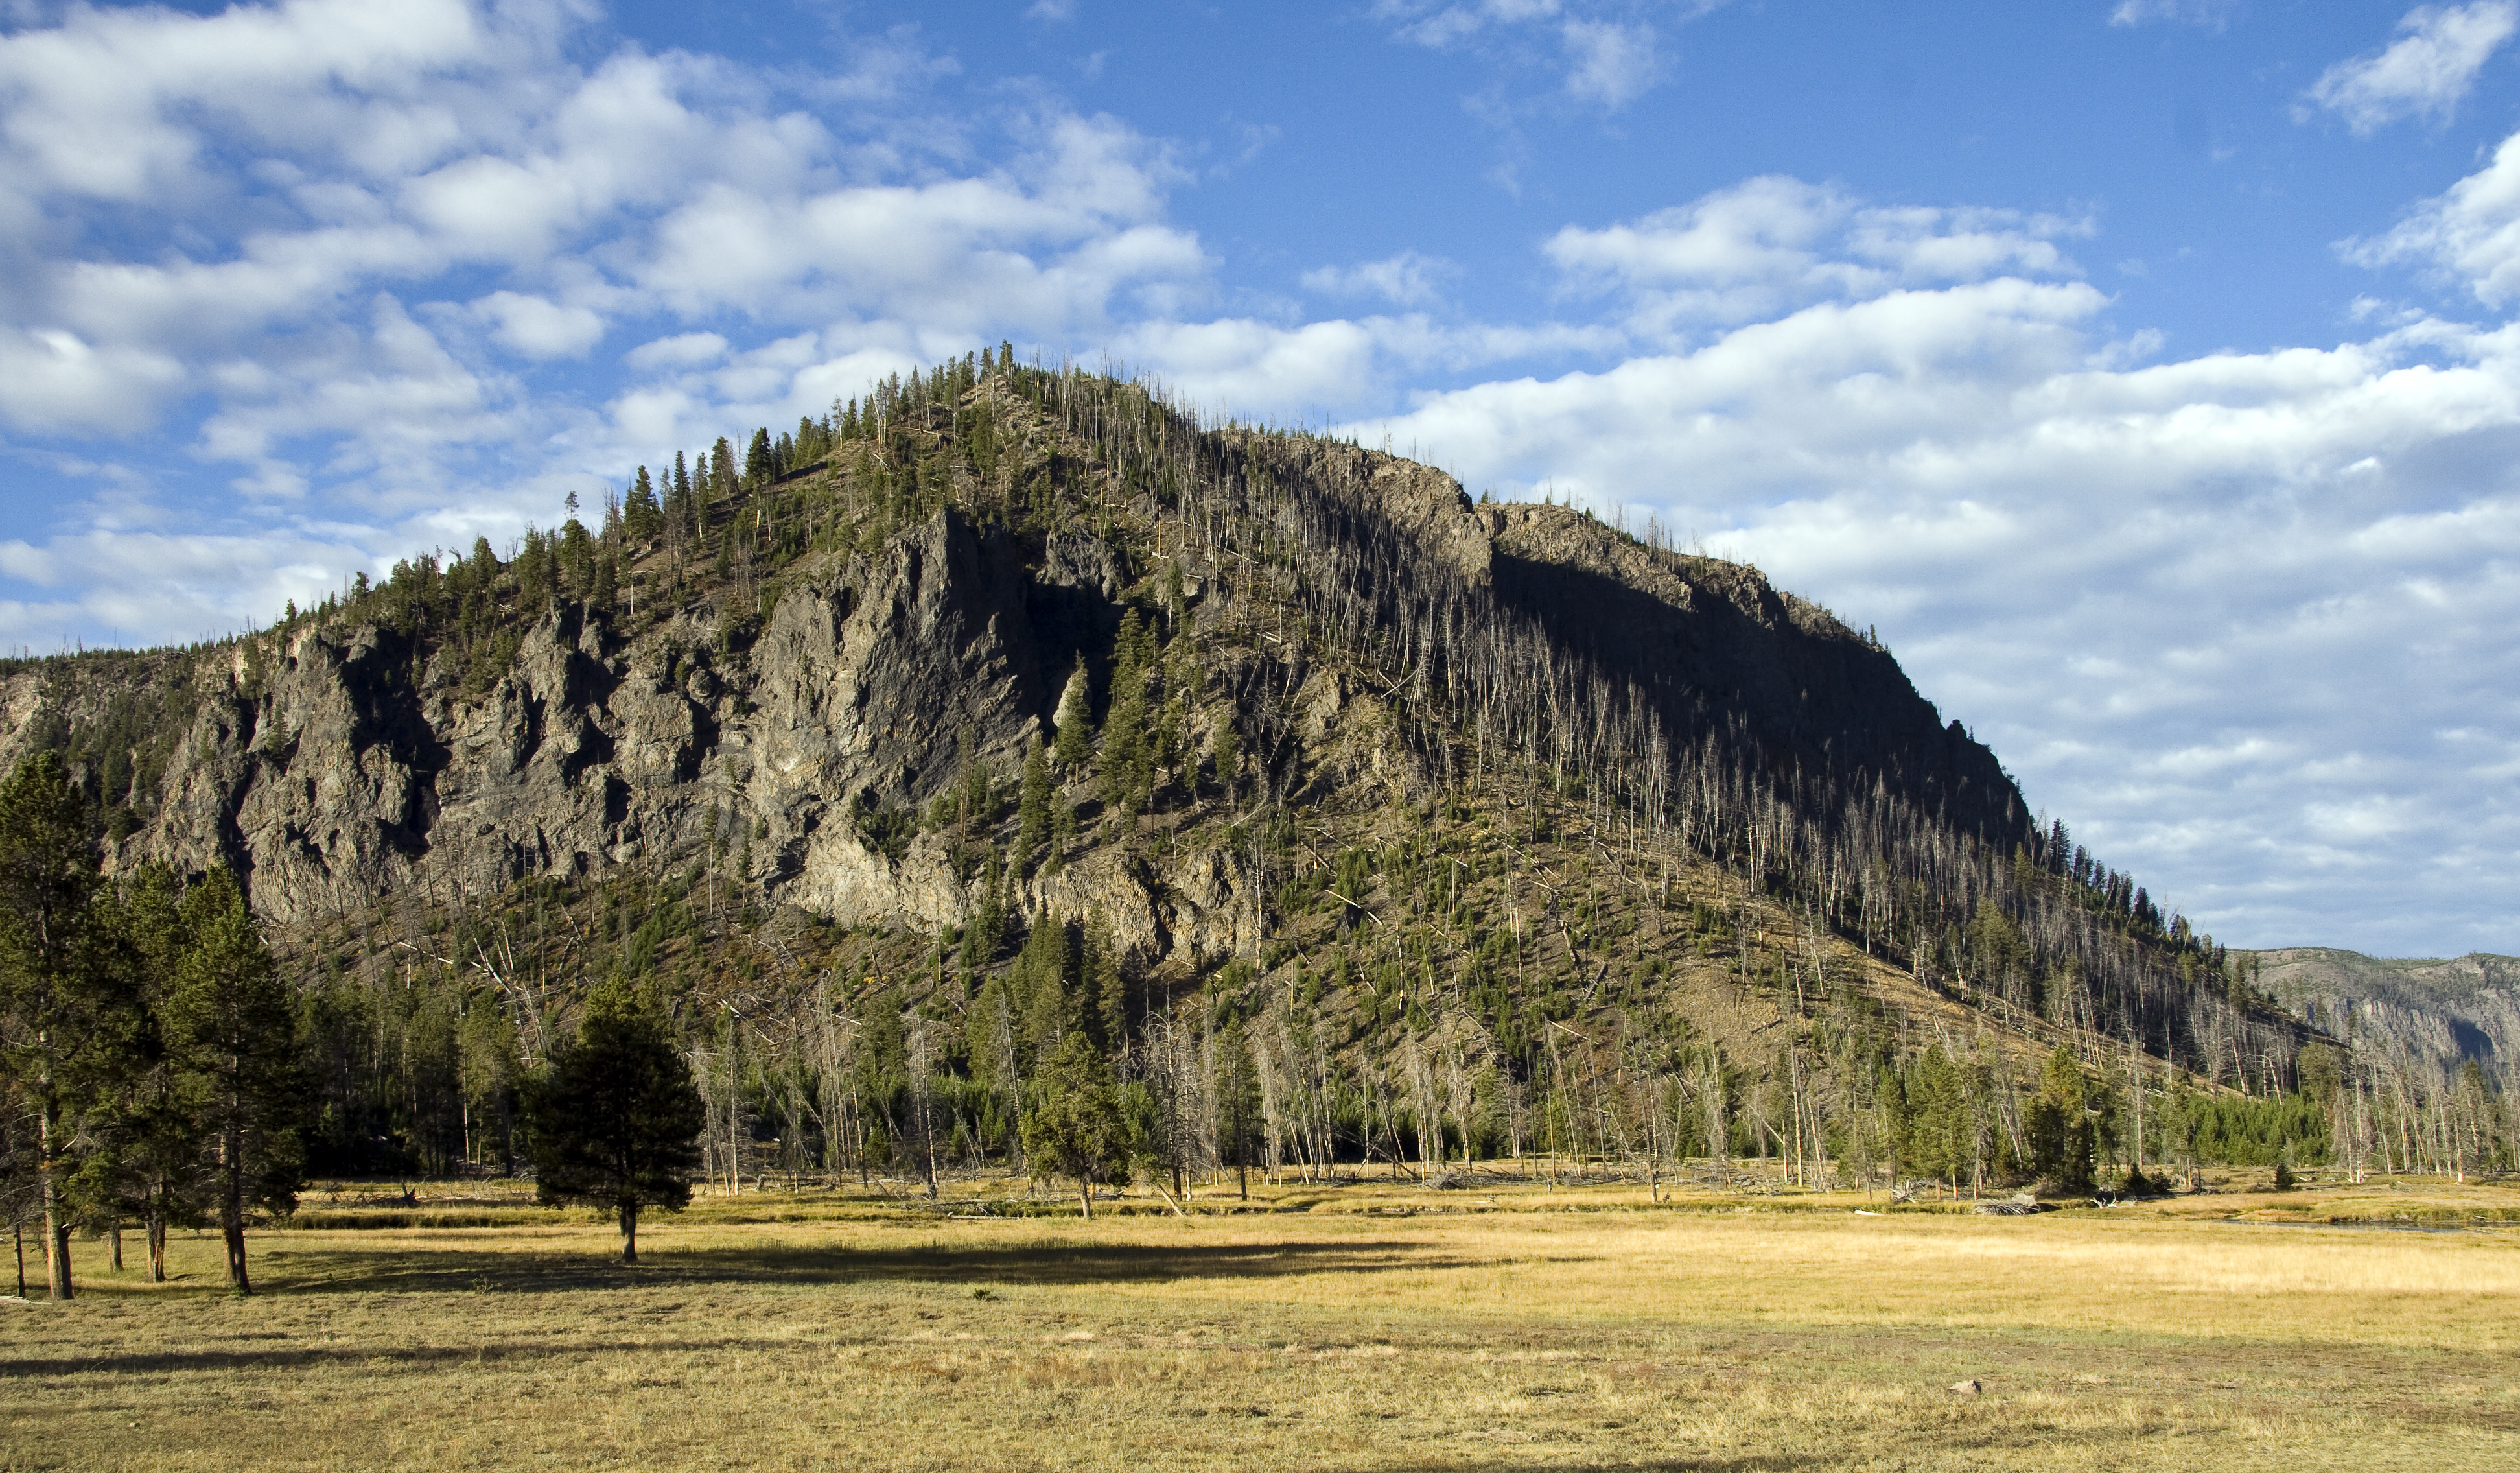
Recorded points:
1046,982
1079,1126
1032,809
232,1035
1075,720
151,1166
1105,988
1238,1107
2060,1130
489,1069
614,1119
64,1019
1227,742
1122,761
641,515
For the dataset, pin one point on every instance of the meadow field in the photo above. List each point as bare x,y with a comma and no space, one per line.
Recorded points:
1354,1325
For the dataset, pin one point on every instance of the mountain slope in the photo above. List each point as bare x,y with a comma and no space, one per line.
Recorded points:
1328,754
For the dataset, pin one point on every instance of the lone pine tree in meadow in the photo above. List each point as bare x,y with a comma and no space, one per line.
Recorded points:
1080,1128
615,1119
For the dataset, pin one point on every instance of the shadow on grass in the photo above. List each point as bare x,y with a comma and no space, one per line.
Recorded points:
287,1357
1745,1464
329,1270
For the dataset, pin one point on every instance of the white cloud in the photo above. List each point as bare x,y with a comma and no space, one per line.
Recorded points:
289,174
2469,238
1609,63
51,379
2215,13
680,351
539,328
1771,244
1405,280
2426,73
1608,54
1254,368
124,585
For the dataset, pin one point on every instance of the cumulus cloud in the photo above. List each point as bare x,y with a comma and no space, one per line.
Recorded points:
2467,239
1772,244
286,177
679,350
539,328
1246,365
2425,71
52,378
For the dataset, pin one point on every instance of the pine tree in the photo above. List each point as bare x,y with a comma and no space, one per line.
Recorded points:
641,515
2060,1130
1122,761
62,1017
1104,986
1032,809
1075,738
1080,1128
1238,1107
233,1037
1227,742
615,1119
153,1165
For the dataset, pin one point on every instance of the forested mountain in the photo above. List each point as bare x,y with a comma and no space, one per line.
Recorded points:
1349,818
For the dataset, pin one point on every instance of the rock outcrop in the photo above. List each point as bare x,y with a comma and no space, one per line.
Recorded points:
352,762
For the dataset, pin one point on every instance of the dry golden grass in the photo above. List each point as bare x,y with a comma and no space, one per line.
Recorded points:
1351,1327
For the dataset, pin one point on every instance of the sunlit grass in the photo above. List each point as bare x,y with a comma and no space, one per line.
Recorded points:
1352,1326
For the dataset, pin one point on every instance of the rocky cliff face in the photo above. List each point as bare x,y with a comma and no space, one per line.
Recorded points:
2444,1013
335,762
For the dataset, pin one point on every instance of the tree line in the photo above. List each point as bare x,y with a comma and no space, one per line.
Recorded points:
155,1068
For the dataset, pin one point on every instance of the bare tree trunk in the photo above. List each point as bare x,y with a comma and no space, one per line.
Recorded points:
629,1232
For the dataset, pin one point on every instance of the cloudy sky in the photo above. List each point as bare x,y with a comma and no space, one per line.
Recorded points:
2145,372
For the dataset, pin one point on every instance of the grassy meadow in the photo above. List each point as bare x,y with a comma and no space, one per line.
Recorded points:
1358,1325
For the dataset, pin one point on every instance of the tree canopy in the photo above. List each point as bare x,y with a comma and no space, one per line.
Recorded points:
1080,1128
614,1119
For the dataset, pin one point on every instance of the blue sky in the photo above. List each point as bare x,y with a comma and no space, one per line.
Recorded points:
2144,372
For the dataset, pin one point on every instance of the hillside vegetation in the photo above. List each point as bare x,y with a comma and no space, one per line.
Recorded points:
1351,819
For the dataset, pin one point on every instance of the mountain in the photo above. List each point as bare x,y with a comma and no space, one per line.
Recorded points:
1005,701
2446,1013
